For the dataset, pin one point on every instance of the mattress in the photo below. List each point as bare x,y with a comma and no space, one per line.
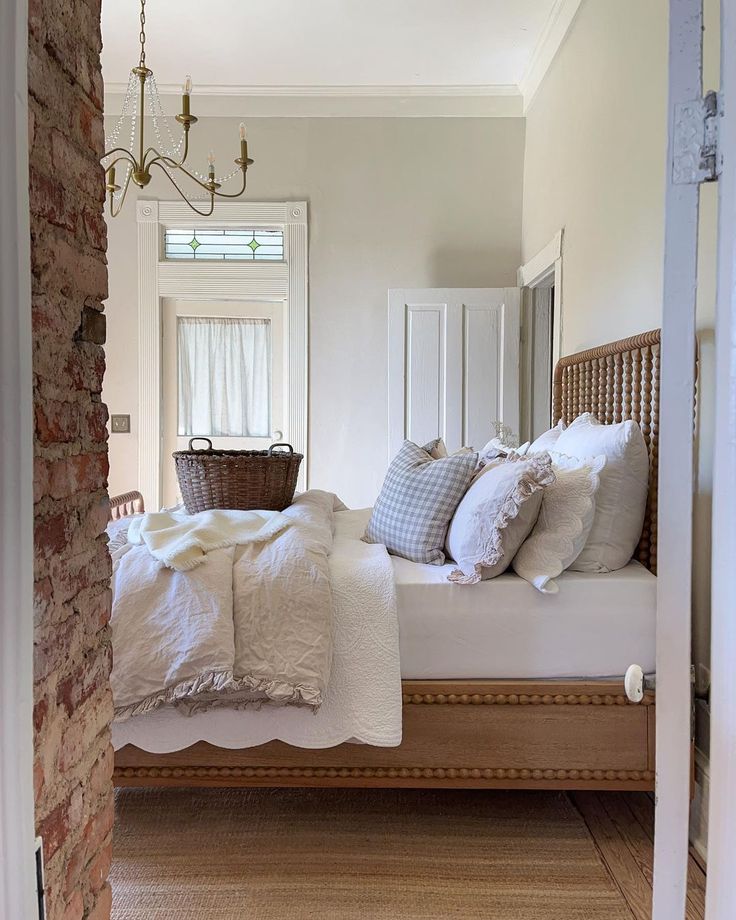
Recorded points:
595,627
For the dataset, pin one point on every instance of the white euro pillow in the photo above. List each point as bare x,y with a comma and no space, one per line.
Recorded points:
548,439
622,494
495,516
564,523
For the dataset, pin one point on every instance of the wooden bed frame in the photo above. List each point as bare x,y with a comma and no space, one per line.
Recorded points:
524,734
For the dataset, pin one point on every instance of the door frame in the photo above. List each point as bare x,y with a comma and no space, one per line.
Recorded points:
720,889
545,270
677,467
18,897
205,280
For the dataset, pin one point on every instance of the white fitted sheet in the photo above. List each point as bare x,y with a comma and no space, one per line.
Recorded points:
596,626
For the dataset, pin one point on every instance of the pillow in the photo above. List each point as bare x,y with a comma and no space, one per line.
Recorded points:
548,439
564,523
622,496
496,516
437,450
496,448
418,497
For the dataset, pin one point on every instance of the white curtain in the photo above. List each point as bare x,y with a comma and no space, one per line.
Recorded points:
224,377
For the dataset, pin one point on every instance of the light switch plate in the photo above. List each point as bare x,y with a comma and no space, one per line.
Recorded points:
120,424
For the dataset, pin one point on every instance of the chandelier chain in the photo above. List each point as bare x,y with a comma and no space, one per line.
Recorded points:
142,35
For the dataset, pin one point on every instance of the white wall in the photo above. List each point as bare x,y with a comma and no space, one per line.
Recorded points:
595,165
394,202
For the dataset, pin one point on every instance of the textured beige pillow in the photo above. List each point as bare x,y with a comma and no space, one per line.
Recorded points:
564,523
496,515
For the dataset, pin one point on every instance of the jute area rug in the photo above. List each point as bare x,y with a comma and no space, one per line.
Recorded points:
322,854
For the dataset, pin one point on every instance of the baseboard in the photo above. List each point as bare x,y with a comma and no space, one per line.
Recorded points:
699,809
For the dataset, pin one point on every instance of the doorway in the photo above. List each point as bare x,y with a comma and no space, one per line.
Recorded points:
536,364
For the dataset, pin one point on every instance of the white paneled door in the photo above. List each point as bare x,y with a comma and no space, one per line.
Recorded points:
453,364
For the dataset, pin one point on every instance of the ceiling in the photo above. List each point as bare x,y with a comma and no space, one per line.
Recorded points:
324,47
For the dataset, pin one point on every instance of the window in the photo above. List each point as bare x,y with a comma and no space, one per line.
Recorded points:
225,245
224,377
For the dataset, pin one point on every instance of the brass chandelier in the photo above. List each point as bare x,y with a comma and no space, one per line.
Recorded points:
142,100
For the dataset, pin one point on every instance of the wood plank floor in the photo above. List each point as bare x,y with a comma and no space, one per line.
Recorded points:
300,854
622,828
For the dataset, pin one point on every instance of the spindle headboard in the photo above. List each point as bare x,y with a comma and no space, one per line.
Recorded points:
615,382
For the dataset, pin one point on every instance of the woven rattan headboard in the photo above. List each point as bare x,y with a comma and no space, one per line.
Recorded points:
616,382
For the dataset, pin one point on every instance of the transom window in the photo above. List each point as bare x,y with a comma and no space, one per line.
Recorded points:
222,245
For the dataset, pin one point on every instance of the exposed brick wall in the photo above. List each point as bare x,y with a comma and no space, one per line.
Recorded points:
73,706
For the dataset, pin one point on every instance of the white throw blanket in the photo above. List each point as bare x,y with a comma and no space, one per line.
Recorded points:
237,626
181,541
363,698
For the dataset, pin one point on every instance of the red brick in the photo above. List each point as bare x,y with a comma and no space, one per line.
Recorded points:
103,905
53,829
75,908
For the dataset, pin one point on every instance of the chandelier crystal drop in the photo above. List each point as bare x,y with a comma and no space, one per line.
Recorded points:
136,161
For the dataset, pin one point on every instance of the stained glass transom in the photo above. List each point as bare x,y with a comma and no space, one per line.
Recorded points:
218,245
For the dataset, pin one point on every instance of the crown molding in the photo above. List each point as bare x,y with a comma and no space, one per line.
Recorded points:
226,89
492,101
553,35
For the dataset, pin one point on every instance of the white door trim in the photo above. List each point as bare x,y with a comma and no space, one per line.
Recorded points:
157,278
676,480
545,270
721,891
17,874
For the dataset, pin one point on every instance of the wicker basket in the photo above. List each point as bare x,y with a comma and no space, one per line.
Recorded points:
240,480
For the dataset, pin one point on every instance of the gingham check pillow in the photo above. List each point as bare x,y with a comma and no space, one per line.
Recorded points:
417,501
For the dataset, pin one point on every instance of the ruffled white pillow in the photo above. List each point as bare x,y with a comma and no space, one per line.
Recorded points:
496,515
564,523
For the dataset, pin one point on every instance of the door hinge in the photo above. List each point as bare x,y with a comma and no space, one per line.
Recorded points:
697,157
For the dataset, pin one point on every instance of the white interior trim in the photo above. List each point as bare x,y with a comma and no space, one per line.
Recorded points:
558,25
157,278
676,480
699,809
539,265
17,872
339,101
721,891
313,91
543,270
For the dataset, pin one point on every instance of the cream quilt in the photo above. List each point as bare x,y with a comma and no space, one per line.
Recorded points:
247,624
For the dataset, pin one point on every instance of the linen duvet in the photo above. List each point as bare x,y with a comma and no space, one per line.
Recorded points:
248,624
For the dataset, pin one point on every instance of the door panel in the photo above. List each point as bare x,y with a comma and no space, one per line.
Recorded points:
425,373
482,359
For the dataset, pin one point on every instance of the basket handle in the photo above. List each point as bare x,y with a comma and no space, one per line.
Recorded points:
280,444
192,440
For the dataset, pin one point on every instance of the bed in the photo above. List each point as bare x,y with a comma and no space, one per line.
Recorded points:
529,697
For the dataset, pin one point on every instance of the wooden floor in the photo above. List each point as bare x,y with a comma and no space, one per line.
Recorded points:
622,828
310,854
